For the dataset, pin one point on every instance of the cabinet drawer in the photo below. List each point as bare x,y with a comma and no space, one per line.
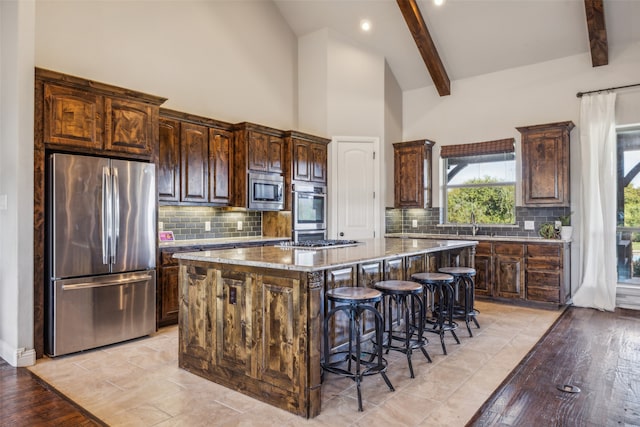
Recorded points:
545,279
543,294
484,248
511,249
538,250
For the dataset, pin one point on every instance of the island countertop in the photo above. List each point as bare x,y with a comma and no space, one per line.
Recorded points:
308,260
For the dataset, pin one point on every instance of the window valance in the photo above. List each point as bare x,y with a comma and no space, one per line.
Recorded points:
478,148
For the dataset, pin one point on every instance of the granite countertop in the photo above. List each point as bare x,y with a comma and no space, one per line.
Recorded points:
477,237
219,241
287,258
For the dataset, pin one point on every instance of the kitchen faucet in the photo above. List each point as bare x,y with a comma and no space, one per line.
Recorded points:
474,225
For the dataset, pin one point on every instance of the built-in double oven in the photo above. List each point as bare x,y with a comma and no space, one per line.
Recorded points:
309,213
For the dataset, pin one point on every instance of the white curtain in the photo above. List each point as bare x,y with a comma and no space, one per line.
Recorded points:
598,203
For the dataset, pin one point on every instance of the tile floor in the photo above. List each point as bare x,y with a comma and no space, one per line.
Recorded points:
138,383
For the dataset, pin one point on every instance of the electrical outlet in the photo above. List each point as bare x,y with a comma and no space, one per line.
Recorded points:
558,224
414,223
529,225
239,225
207,226
160,225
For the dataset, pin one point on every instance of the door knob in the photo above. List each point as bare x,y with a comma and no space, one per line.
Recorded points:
341,234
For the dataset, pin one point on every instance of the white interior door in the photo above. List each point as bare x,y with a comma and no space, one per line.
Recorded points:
355,189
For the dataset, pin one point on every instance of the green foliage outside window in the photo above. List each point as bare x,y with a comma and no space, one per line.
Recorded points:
490,204
631,206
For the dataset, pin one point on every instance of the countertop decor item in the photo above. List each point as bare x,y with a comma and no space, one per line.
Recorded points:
566,229
548,231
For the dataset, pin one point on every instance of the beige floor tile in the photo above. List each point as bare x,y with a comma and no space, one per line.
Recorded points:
139,383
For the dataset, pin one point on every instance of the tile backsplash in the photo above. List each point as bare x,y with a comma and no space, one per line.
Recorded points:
188,222
428,221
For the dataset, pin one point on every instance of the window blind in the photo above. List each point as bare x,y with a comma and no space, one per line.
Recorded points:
478,148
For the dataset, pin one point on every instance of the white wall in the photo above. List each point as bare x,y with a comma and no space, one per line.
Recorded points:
491,106
16,181
392,129
229,60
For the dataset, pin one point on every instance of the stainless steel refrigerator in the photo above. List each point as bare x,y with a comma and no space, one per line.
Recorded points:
102,251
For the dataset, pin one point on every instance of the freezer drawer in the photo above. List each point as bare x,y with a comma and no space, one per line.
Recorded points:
96,311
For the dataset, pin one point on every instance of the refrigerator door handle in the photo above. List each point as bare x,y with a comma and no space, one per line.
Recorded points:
89,285
115,216
105,216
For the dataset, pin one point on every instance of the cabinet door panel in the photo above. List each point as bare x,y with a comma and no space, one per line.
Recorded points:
318,166
301,160
128,126
72,117
339,324
169,291
169,161
220,166
483,275
508,277
368,275
415,264
276,154
233,321
409,186
194,149
394,269
195,324
278,301
258,151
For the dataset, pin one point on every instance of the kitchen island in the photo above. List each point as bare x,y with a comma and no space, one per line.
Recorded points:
251,318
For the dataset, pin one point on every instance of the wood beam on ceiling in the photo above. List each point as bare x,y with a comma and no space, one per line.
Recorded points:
425,44
597,32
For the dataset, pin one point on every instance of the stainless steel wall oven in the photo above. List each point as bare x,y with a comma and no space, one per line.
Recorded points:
309,212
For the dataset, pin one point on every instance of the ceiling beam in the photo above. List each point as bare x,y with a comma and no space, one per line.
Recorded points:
597,32
427,49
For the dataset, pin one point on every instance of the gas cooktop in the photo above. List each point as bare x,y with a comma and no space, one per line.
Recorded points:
311,244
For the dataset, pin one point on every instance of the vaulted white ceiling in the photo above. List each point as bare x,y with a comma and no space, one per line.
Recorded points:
473,37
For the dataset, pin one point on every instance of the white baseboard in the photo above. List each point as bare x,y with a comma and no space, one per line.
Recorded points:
18,357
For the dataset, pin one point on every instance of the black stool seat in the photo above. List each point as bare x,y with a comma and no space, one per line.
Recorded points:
355,362
439,284
463,278
407,298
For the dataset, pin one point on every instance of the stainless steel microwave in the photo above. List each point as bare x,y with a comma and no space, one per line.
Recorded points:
266,192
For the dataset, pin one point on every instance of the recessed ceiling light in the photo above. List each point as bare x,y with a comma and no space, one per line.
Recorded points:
438,2
365,25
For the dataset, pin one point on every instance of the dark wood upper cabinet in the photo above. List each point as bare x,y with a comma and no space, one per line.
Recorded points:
194,150
545,164
195,158
308,157
168,170
81,115
256,148
412,174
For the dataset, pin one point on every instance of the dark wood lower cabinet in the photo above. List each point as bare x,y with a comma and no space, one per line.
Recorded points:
532,271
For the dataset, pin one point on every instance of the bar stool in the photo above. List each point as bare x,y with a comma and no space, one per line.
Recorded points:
440,285
463,278
354,301
406,296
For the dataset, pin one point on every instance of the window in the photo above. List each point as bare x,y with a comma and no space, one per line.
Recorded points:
480,179
628,209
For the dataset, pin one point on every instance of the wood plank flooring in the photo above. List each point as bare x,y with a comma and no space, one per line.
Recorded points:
25,400
599,352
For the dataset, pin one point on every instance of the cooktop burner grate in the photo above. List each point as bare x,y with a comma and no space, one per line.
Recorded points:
328,243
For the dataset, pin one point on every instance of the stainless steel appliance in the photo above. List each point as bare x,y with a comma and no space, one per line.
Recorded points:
305,235
101,239
309,207
266,192
319,244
